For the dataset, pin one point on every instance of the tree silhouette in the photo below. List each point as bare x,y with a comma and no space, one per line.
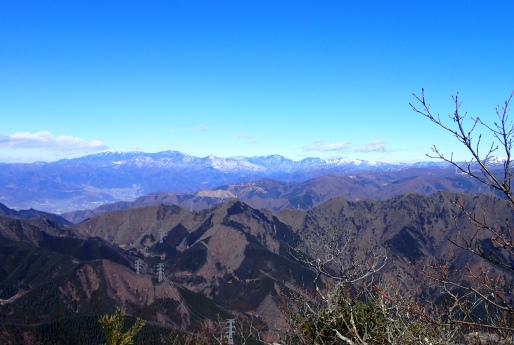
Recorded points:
477,297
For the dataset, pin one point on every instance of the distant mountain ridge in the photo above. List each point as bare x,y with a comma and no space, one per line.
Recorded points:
271,163
90,181
276,195
31,214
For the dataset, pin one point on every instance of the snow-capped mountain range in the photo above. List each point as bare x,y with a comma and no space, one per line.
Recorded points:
270,164
92,180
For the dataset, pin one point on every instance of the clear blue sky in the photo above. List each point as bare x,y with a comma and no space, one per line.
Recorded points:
228,78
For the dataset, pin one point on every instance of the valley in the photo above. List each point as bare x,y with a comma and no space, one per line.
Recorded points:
91,181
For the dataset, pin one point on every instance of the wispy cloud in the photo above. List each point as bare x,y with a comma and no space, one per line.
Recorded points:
374,146
63,144
344,147
327,147
243,136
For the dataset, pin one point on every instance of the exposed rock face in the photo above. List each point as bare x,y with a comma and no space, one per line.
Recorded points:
215,193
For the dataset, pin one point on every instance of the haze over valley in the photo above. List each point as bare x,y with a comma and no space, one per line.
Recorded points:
91,181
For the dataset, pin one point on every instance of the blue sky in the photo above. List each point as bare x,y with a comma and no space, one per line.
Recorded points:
229,78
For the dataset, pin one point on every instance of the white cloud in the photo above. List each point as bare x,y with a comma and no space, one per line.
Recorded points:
344,147
61,145
374,146
246,136
325,147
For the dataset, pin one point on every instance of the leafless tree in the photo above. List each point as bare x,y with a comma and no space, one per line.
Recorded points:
337,256
479,295
478,166
346,306
438,301
339,265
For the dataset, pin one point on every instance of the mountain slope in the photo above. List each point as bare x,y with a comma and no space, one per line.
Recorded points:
277,195
226,252
231,259
47,282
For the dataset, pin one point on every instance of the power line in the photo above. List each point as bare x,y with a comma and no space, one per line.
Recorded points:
138,265
194,314
161,235
230,331
160,271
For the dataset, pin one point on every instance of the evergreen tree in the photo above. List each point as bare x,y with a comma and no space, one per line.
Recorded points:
112,326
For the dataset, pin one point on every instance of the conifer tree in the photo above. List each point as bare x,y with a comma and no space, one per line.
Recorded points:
112,326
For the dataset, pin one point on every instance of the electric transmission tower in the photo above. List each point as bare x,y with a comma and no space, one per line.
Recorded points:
139,263
160,271
230,331
161,235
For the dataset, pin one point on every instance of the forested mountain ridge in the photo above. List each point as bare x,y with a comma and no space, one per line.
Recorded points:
278,195
232,260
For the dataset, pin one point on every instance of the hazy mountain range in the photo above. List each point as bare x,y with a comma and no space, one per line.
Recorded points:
94,180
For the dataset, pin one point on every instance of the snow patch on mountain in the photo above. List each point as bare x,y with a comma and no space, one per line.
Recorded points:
258,164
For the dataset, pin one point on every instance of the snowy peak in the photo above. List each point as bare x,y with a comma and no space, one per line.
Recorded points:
87,182
270,164
497,160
